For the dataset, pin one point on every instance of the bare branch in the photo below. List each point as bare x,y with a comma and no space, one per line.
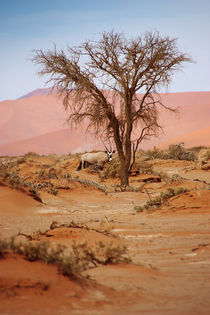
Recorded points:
99,80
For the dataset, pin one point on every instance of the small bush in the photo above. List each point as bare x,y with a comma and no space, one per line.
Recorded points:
178,152
13,179
158,154
112,169
175,151
143,167
206,156
94,169
70,261
34,192
197,149
161,199
31,154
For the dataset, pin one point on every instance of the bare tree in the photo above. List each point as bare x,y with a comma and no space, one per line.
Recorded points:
85,74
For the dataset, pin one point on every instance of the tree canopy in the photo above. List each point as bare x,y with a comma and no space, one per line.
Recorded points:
132,69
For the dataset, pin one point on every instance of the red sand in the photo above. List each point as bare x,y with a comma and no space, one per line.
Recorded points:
170,246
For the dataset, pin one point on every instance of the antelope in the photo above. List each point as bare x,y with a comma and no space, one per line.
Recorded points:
99,158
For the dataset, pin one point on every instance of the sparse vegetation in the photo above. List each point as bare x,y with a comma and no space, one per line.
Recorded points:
207,155
95,213
156,153
174,151
31,154
86,182
10,175
144,167
197,149
70,261
178,152
72,224
112,169
154,203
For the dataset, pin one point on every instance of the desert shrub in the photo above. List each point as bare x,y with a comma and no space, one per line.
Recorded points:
154,203
178,152
206,155
164,176
17,161
52,173
94,169
203,159
7,164
171,192
88,257
85,182
175,151
70,261
13,179
197,149
54,191
34,191
143,167
41,174
112,169
111,254
158,154
31,154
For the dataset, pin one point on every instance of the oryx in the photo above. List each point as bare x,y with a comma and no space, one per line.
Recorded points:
99,158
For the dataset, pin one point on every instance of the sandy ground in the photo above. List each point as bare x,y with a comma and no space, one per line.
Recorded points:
169,247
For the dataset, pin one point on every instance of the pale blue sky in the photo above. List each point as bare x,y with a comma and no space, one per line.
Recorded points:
27,25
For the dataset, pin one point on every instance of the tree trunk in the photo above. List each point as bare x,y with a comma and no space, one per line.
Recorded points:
124,174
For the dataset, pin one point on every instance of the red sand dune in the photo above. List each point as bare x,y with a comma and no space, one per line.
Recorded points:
37,124
43,91
196,137
63,141
194,115
30,117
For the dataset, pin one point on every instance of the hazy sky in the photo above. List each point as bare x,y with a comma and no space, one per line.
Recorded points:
33,24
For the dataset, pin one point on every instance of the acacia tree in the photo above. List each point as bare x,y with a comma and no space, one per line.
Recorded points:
132,69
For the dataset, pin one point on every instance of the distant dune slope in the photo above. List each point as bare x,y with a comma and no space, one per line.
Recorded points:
37,92
30,117
38,123
194,138
63,141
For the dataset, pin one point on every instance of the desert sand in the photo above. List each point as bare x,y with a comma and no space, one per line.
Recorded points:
169,246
